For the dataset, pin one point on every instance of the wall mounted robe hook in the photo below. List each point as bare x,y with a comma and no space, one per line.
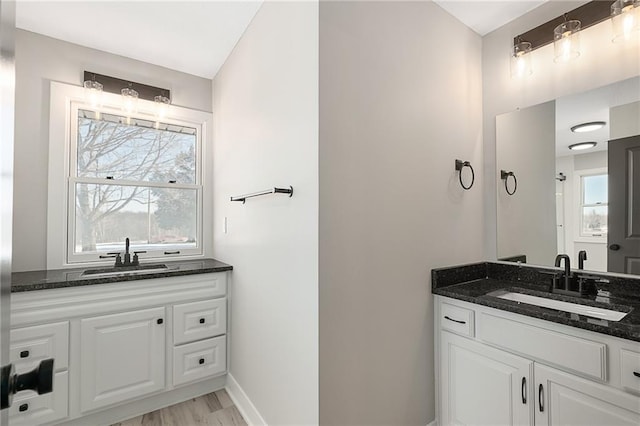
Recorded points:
461,165
504,175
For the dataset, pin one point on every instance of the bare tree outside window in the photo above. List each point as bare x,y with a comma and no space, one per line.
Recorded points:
136,180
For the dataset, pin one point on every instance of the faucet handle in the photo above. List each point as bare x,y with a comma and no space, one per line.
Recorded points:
135,261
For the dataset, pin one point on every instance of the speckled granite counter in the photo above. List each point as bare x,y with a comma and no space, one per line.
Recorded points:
59,278
473,282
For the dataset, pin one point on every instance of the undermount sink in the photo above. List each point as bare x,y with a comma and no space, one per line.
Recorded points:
126,270
589,311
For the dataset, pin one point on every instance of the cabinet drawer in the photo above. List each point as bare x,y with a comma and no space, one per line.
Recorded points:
30,345
199,320
630,370
585,357
457,319
29,408
195,361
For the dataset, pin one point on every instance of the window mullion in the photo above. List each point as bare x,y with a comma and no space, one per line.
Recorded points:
123,182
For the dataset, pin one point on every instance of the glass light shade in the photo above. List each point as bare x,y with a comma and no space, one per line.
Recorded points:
566,41
129,100
521,60
93,93
625,17
162,106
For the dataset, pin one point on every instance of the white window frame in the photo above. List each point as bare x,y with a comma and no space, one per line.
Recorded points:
578,191
65,102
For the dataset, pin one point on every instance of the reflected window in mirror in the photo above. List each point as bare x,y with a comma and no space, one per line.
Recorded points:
594,205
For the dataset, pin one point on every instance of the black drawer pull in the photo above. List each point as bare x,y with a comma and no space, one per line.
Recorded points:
524,390
635,373
23,407
541,397
160,321
24,354
201,361
458,321
201,320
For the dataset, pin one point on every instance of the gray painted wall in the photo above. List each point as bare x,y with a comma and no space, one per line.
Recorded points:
526,142
397,107
40,60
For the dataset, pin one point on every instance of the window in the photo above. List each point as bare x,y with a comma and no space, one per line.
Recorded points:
593,205
124,177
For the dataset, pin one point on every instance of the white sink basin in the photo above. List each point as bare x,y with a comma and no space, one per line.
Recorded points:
589,311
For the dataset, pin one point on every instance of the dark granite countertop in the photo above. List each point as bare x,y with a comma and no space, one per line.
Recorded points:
473,283
60,278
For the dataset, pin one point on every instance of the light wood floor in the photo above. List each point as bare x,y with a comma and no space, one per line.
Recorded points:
212,409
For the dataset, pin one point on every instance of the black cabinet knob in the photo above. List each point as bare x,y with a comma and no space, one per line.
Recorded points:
201,320
201,361
614,247
23,407
24,354
160,321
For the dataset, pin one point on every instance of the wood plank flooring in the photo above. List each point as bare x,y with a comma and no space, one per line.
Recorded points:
212,409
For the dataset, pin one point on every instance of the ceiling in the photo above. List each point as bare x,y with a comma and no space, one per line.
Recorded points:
194,37
591,106
485,16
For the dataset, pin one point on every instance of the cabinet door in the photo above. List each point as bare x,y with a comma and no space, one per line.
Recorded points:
123,357
481,385
563,399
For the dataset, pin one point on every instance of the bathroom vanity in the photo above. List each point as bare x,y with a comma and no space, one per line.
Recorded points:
502,361
123,344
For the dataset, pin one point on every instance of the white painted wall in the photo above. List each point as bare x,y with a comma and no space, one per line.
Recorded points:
266,135
39,60
397,107
527,219
601,63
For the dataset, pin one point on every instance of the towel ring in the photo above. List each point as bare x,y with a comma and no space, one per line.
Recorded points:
504,175
459,166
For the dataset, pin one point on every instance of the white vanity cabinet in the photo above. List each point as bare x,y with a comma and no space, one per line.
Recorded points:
482,385
121,349
495,367
122,356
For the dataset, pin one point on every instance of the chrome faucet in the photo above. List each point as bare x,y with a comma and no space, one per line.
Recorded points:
127,256
567,269
582,256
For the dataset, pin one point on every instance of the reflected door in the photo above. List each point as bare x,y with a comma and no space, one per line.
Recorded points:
624,206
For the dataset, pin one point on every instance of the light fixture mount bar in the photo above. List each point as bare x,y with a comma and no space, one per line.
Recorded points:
115,85
588,14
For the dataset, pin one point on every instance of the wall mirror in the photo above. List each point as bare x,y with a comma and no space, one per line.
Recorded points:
572,200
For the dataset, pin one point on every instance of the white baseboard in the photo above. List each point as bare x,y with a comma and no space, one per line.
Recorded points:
433,423
243,403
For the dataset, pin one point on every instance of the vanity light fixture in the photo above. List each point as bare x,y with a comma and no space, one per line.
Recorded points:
625,17
93,92
566,41
162,106
582,145
129,100
521,60
130,93
588,127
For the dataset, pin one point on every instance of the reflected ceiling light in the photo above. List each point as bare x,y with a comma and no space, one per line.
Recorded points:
521,60
93,92
566,41
129,100
582,145
625,17
588,127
